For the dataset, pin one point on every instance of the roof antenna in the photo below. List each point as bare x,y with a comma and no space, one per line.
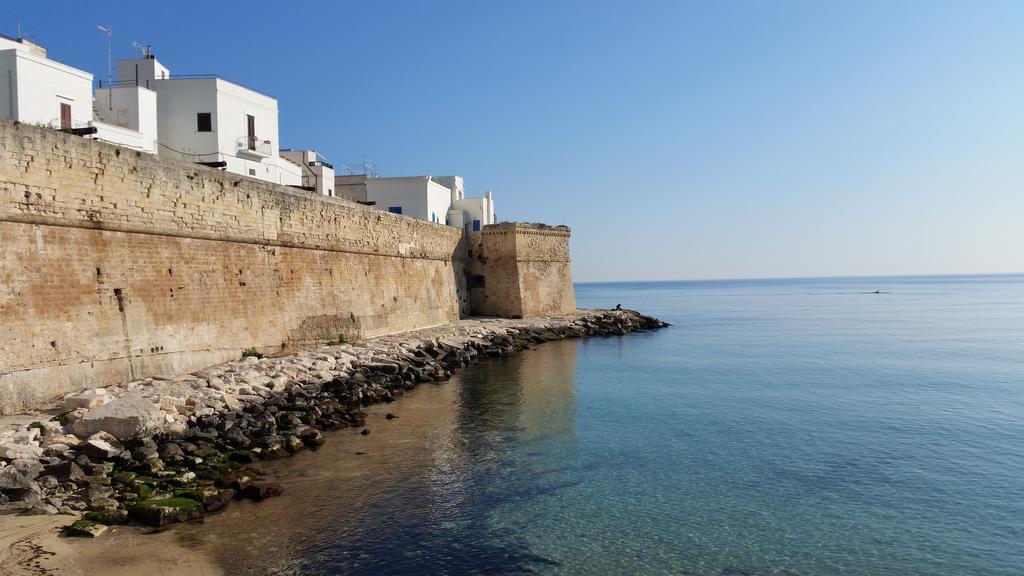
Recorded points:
19,29
109,32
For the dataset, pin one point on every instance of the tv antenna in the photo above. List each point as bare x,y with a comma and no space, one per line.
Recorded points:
108,31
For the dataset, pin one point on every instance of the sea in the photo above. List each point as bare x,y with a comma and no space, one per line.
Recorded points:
854,426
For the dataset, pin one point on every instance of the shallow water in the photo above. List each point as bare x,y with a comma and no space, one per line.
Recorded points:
795,427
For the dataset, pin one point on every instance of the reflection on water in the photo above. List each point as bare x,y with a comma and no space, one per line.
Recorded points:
796,428
418,494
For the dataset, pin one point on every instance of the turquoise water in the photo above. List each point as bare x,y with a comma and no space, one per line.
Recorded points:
794,427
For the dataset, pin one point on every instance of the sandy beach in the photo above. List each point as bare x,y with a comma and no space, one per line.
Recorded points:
32,546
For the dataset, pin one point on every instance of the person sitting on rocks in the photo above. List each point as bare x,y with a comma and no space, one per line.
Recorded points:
618,307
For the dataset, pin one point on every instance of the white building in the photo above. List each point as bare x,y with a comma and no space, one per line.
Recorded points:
126,115
438,199
317,172
37,90
468,213
209,120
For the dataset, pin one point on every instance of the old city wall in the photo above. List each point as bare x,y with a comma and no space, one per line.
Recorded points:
520,270
118,265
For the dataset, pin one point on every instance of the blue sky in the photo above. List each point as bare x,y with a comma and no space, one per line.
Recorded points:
678,139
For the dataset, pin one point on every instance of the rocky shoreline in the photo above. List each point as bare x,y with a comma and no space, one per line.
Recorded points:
162,450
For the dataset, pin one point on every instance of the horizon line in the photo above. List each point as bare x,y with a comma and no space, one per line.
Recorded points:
836,277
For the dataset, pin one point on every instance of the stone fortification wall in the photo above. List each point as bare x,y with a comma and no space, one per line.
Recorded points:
118,265
521,270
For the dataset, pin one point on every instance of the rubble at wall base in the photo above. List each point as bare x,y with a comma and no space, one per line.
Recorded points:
170,449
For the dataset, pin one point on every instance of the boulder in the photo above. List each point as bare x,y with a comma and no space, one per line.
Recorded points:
108,517
212,499
85,529
68,440
88,399
42,509
16,489
261,490
166,511
144,449
101,445
28,467
171,452
56,450
126,418
26,436
12,480
16,451
67,472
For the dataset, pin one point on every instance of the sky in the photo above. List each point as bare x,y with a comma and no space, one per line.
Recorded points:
678,140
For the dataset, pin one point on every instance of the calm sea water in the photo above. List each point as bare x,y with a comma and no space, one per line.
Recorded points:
796,427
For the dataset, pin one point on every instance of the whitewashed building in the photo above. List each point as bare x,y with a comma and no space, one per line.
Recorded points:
126,114
37,90
468,213
438,199
317,172
212,121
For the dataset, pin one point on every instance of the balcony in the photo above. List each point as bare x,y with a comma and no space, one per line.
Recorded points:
252,147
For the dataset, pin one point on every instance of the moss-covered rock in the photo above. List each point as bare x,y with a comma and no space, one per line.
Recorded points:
242,456
85,529
212,499
108,517
123,477
166,511
261,490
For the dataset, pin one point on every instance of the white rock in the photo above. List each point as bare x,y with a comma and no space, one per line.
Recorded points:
13,451
75,415
102,445
66,439
125,418
171,403
25,436
176,429
88,399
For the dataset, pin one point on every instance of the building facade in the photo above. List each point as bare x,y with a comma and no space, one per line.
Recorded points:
212,121
126,115
437,199
317,172
40,91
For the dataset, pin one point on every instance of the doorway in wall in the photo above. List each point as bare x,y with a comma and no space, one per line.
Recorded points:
250,127
65,116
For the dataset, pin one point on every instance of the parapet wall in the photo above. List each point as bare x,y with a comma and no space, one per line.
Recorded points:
520,270
119,265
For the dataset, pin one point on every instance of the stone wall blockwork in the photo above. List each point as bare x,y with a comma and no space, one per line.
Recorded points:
120,265
520,270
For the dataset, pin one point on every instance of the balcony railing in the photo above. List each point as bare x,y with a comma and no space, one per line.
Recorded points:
252,146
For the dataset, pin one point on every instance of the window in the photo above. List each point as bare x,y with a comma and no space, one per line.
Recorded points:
395,209
204,122
476,225
477,281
